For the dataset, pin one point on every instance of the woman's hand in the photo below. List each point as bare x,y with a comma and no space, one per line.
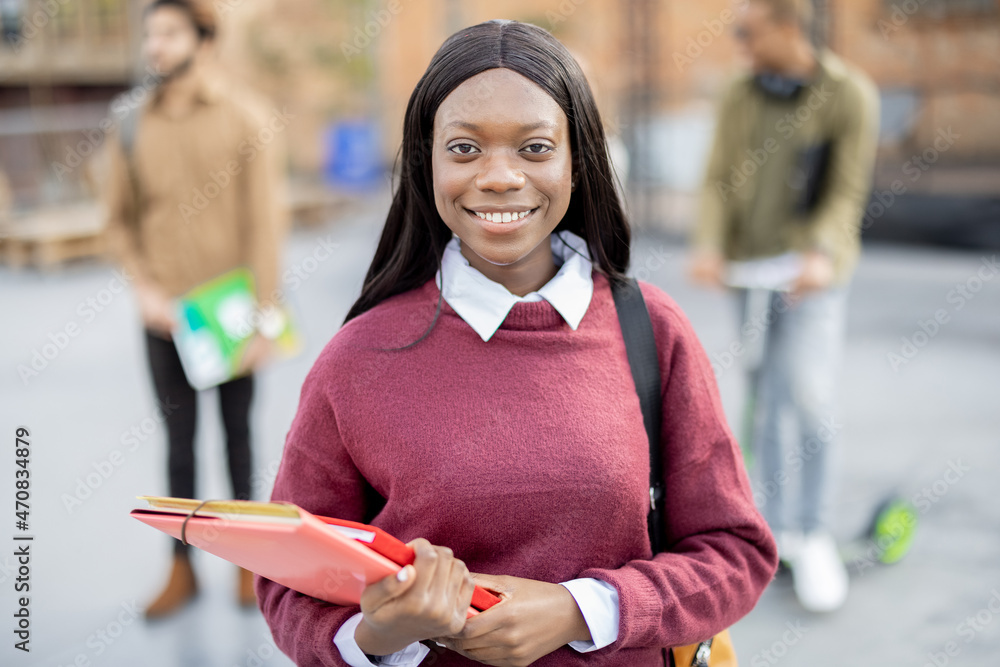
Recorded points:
533,619
432,601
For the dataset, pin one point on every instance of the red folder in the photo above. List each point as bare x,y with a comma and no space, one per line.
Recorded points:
330,559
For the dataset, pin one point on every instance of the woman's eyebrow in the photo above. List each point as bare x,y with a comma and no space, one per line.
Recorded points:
542,124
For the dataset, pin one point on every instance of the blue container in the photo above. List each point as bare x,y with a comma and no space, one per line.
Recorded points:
353,156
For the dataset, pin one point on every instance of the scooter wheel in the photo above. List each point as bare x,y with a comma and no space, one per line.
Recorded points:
893,528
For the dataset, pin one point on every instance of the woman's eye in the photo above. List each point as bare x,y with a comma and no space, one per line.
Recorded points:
538,149
462,149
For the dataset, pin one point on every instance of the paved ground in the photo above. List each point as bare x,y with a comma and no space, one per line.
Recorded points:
93,567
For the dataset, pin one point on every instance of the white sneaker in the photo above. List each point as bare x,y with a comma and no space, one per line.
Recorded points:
789,542
818,573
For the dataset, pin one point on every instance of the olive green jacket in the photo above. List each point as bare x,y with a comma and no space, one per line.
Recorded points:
751,201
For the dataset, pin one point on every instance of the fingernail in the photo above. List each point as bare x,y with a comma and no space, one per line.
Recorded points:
403,574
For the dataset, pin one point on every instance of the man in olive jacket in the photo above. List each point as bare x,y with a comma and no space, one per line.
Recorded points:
788,178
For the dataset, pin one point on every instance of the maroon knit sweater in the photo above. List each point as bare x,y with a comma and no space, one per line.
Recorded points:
527,456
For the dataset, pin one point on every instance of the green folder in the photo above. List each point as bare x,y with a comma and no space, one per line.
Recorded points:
216,322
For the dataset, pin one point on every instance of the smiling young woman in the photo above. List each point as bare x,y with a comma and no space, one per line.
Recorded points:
466,69
478,401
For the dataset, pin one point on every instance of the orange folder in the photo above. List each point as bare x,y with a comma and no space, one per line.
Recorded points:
330,559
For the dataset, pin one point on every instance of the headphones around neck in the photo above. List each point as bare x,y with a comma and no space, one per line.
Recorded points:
779,86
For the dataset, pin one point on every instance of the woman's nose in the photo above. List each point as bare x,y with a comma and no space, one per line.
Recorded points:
499,174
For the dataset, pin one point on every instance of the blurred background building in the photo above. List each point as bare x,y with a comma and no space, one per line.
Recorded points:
345,68
342,71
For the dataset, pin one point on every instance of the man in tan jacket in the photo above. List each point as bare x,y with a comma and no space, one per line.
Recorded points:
193,192
780,219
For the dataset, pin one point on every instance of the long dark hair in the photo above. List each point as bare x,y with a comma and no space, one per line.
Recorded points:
414,237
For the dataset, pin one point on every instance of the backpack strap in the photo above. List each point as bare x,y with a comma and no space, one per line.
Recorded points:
128,128
640,345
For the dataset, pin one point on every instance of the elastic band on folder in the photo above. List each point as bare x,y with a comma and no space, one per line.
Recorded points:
202,504
190,514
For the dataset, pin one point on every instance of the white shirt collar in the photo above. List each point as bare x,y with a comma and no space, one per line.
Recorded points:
484,304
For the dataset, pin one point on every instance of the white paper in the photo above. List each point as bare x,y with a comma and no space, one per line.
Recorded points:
775,273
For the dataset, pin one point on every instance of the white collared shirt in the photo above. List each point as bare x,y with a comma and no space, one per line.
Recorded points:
484,305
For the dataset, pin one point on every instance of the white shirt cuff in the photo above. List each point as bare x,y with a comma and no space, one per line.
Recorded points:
411,656
598,602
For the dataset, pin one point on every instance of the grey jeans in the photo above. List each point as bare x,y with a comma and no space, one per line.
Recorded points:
794,354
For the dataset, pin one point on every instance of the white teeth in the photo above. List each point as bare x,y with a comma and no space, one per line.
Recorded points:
502,217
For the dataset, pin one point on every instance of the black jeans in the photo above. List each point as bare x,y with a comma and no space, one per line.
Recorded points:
179,405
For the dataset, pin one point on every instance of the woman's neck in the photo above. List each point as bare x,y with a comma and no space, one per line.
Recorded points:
523,277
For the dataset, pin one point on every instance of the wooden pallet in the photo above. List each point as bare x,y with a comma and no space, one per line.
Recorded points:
53,235
311,205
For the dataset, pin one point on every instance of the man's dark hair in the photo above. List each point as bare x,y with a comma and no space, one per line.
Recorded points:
201,14
794,11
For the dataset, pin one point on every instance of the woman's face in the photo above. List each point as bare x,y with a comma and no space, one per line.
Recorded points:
502,168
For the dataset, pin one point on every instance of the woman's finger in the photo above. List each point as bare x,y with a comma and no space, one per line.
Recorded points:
425,563
388,588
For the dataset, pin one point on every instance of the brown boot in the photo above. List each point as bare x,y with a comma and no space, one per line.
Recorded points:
180,588
247,596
